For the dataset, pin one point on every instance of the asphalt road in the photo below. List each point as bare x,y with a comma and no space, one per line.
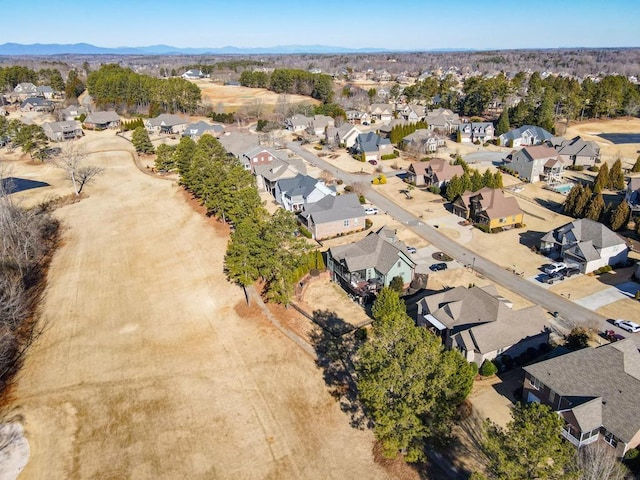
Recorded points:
569,314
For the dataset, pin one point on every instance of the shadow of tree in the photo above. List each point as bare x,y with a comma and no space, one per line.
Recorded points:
336,344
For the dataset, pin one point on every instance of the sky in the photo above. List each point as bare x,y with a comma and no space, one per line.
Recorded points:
390,24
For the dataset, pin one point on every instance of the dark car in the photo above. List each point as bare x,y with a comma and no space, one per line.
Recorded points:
553,277
373,162
570,271
436,267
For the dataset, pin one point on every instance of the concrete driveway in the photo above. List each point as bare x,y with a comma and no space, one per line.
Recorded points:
452,221
490,158
610,295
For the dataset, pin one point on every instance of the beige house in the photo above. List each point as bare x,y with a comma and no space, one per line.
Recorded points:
59,131
333,215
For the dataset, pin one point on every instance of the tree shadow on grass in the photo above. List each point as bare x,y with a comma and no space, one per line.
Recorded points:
336,342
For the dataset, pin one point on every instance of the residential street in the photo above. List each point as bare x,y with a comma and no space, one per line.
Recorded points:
572,313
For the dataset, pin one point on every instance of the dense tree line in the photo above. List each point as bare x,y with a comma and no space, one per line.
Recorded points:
583,202
27,237
409,385
262,247
293,81
400,131
115,87
232,65
12,76
471,180
30,139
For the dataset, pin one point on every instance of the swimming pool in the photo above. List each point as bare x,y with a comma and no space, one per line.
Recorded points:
563,188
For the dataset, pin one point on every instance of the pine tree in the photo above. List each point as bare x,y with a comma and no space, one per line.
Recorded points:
503,123
497,179
636,166
487,179
602,179
476,181
582,203
616,176
569,206
620,216
595,208
141,141
454,188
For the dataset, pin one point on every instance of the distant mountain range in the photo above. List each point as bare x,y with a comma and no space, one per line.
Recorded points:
88,49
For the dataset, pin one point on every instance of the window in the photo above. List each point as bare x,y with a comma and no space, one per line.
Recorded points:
536,384
552,396
503,220
346,223
610,439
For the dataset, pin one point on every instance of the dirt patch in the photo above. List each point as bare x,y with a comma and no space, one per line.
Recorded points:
151,366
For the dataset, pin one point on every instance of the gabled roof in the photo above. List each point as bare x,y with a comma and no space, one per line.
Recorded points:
373,251
166,120
36,101
533,130
370,141
278,169
61,127
610,373
539,152
585,230
236,143
334,208
301,186
200,128
443,170
493,201
578,147
419,168
100,118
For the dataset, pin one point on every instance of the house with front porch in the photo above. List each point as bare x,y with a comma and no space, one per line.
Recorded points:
481,324
533,164
166,123
585,243
344,135
595,391
475,132
36,104
195,130
294,193
443,120
381,112
269,173
489,207
525,135
362,268
60,131
101,120
333,215
372,146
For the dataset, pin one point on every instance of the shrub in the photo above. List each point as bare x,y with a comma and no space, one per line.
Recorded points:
339,182
362,199
474,368
317,147
376,181
383,179
435,189
482,227
367,224
305,232
594,168
488,368
348,188
578,168
632,460
388,156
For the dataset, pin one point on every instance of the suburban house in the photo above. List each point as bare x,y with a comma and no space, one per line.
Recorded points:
59,131
585,243
364,267
594,390
344,135
318,124
268,174
72,112
372,146
297,123
237,143
25,88
412,113
45,91
488,207
192,74
475,132
381,112
101,120
195,130
423,141
576,151
443,120
436,171
294,193
166,123
36,104
525,135
259,156
632,195
533,164
482,325
333,215
356,117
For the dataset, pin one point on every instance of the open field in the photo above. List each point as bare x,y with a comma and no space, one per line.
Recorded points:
609,151
230,97
151,365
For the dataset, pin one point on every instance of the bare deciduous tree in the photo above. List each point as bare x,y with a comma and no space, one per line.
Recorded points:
72,160
597,461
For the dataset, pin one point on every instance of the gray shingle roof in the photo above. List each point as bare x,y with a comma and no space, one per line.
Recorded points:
587,230
200,128
334,208
610,373
100,118
536,131
236,143
369,142
167,120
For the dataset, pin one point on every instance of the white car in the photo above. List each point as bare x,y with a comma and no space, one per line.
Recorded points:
371,210
555,267
627,325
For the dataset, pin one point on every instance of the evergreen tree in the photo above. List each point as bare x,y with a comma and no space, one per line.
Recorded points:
636,166
164,158
616,176
497,179
620,216
503,123
487,179
454,188
569,205
387,302
602,179
183,153
476,181
141,141
242,261
582,202
595,208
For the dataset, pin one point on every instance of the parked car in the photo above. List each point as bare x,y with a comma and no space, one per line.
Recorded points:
411,249
371,210
627,325
571,271
554,267
553,277
373,162
436,267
